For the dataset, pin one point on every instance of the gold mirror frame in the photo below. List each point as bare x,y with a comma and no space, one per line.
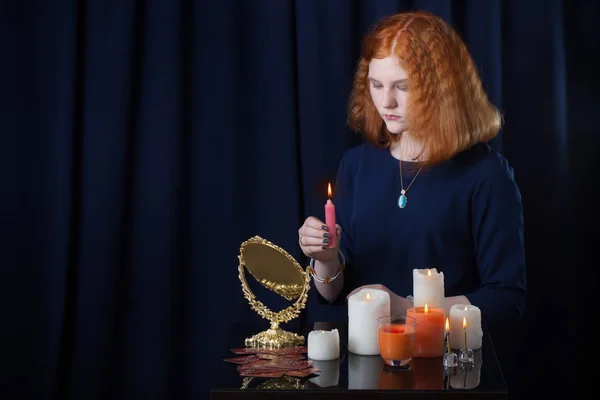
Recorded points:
284,383
274,337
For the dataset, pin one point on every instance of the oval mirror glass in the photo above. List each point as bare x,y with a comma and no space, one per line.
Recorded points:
275,269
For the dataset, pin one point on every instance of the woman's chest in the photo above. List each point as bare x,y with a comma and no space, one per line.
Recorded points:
436,214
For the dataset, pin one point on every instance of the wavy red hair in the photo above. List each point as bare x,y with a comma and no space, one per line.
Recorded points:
447,107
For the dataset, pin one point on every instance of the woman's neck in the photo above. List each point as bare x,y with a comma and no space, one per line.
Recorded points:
407,148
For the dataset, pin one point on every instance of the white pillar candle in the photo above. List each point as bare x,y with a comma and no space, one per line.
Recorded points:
364,308
428,288
472,315
364,371
329,374
324,345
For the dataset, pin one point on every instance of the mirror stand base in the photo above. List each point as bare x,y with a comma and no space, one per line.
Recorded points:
274,337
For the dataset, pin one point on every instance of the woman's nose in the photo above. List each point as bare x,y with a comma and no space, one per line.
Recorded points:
388,100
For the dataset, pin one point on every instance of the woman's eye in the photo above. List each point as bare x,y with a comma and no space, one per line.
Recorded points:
402,88
377,85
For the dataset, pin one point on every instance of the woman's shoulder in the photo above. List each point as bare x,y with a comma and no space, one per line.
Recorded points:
487,169
358,153
483,160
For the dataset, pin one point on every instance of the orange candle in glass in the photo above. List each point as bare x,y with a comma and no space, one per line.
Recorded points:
430,331
397,339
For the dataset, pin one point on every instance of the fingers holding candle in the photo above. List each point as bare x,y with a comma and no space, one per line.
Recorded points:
314,238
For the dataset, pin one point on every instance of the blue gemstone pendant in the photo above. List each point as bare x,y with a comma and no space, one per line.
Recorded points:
402,200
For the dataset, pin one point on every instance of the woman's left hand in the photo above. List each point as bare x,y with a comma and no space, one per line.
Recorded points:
398,304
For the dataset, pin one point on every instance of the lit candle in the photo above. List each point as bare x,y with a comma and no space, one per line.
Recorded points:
474,331
364,308
448,334
330,219
397,342
323,345
465,331
428,287
429,338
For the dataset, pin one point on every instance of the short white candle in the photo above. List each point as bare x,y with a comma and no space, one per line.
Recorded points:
324,345
472,314
428,288
364,308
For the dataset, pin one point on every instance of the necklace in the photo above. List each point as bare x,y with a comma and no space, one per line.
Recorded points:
403,200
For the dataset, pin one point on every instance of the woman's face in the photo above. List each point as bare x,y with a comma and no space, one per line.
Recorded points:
388,86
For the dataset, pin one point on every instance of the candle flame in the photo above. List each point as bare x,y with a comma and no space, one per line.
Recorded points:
447,325
428,272
368,296
329,190
426,309
464,322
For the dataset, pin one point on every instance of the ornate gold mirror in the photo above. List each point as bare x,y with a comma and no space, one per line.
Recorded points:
278,271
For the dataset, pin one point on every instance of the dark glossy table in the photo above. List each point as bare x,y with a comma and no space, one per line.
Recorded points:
364,377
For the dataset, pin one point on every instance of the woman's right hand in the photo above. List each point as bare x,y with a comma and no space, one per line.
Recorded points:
314,240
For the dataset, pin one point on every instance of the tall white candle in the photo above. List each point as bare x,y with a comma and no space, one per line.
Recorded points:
324,345
428,287
472,314
364,308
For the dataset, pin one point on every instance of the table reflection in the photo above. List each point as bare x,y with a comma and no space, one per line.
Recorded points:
467,377
429,373
329,374
364,371
396,379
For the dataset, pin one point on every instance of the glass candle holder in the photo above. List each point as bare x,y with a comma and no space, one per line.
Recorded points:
466,356
397,339
450,360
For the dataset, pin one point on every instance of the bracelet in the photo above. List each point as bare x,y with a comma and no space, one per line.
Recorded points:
311,269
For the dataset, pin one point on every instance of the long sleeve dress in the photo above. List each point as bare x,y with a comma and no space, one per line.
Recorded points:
463,217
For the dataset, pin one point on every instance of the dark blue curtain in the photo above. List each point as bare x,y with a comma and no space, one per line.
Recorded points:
144,140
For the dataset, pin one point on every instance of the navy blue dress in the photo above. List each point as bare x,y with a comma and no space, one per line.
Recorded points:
463,217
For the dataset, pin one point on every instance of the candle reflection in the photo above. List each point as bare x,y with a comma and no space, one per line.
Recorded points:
364,371
469,375
329,374
429,373
394,379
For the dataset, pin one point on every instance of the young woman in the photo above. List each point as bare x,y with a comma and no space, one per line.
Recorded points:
425,190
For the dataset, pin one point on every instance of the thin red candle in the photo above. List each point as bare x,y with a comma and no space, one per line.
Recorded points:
330,219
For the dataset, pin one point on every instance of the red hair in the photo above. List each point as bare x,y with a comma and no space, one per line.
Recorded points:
447,107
